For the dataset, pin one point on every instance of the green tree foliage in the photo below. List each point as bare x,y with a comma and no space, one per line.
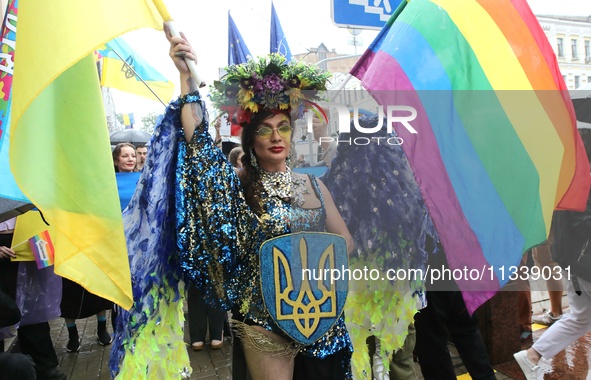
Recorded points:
149,122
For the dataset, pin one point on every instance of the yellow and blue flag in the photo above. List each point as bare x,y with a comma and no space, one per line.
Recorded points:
122,69
57,116
128,119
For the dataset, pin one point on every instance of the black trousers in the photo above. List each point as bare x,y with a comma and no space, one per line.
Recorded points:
201,315
446,316
34,340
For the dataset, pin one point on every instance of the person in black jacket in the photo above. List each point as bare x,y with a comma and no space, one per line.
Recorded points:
445,317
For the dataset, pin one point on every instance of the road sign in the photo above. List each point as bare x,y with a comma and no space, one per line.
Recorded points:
366,14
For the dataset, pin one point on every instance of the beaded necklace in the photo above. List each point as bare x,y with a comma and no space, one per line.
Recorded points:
285,186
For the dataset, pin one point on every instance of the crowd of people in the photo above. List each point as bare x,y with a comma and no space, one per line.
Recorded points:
227,207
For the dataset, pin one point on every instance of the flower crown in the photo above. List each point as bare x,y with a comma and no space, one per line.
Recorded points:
267,83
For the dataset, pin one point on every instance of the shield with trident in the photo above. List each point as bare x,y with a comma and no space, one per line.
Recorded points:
304,280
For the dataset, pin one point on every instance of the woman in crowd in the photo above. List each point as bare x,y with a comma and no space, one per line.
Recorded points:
124,158
235,157
125,162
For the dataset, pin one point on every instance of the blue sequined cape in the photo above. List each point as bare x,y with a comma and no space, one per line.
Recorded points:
219,236
188,219
374,189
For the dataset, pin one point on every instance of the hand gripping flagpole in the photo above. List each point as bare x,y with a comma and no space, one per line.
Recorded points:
175,33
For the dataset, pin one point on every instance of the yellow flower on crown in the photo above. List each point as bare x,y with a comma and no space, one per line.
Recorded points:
295,96
252,107
245,96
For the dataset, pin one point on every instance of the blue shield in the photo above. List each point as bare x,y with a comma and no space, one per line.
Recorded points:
304,278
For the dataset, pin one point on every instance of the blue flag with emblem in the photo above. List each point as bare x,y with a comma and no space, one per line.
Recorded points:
237,51
278,41
304,282
125,70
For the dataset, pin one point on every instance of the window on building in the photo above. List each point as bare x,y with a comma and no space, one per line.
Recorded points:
587,51
560,47
588,79
573,44
577,81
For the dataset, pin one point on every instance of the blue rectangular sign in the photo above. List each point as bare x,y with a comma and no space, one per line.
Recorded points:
363,14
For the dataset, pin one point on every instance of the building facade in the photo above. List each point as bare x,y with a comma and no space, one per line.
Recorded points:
570,38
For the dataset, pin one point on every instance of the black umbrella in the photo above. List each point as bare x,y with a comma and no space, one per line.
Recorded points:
134,136
10,208
582,102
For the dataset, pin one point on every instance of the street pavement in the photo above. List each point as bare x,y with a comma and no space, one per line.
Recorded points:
92,361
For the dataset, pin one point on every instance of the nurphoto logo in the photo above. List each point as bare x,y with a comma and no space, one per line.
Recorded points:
394,114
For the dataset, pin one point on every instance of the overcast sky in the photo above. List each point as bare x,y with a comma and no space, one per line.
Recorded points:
306,23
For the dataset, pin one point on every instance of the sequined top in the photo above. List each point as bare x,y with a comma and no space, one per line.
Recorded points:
218,236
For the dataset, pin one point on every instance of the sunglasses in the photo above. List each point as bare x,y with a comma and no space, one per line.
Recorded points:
266,132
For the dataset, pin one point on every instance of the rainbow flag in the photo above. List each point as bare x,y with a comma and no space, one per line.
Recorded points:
42,248
496,149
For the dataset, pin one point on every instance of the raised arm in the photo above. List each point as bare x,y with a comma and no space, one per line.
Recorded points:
180,49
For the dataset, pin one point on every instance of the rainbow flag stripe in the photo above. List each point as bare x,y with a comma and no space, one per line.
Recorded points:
42,248
497,149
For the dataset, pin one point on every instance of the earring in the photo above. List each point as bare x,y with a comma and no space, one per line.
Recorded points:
253,159
288,160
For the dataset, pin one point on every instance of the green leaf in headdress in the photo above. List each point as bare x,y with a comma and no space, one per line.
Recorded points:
272,68
219,85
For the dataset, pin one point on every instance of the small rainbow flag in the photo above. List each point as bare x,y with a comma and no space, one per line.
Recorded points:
42,248
495,149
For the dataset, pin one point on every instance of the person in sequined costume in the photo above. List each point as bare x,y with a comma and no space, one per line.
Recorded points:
222,218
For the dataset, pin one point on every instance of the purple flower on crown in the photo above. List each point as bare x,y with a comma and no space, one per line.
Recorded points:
273,83
247,83
258,85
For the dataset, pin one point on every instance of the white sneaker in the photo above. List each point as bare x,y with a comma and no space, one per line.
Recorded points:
546,318
530,370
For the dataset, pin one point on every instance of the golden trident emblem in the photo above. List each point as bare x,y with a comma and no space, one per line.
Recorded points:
307,312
